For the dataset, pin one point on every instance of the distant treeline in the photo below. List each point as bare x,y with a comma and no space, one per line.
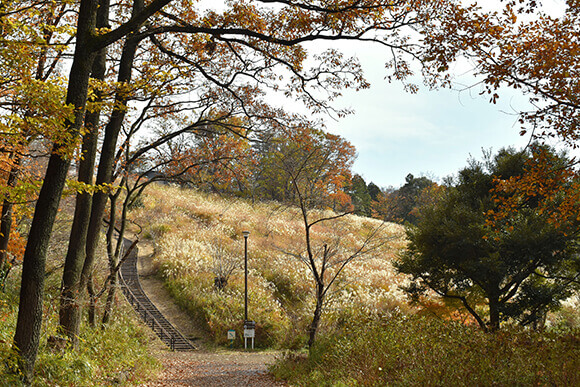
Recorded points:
261,167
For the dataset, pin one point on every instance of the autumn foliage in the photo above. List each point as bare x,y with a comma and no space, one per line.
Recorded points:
200,79
550,183
302,158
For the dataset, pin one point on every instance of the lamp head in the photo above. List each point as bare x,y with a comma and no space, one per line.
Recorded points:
246,233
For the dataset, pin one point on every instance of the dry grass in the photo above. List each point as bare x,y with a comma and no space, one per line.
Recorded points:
187,225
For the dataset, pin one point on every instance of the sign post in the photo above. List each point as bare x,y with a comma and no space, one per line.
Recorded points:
231,337
249,332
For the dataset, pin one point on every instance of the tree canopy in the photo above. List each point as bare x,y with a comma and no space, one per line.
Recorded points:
518,269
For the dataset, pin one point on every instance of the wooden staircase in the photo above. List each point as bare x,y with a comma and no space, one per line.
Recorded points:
149,313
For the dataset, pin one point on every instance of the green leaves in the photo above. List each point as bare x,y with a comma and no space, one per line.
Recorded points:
457,254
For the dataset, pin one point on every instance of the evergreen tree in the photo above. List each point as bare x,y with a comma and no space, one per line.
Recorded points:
361,199
517,269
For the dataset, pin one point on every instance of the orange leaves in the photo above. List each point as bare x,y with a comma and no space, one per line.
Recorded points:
550,186
538,55
16,245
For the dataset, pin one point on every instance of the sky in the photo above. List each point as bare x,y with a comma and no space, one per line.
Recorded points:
431,133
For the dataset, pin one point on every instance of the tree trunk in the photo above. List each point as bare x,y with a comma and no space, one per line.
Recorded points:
27,335
109,302
317,314
71,292
92,302
5,229
6,222
111,252
108,149
494,320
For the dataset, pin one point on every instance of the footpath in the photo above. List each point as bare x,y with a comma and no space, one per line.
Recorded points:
205,366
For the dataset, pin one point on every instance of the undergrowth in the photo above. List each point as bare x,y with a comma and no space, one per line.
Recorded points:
422,351
116,355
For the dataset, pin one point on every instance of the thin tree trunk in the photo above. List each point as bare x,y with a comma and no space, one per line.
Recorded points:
109,303
111,255
5,229
71,291
28,326
6,221
115,252
92,302
317,314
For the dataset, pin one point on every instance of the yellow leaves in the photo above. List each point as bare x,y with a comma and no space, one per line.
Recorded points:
102,31
75,186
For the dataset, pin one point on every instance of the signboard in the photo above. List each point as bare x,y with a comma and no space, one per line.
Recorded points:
249,332
231,334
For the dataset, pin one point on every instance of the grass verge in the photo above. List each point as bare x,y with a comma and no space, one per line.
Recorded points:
413,351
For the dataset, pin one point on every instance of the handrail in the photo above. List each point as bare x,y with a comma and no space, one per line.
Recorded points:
131,286
142,310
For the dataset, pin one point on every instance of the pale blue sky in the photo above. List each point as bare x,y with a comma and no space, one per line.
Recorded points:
430,133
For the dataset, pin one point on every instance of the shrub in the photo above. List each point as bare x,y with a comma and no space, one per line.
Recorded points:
415,350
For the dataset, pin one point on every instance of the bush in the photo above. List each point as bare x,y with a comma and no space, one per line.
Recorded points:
221,310
118,354
417,350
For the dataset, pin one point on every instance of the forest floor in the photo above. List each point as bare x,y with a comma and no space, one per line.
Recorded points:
206,366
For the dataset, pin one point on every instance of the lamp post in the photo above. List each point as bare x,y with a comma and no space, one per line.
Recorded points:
246,234
249,326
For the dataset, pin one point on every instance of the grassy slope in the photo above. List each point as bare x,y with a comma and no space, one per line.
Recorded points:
186,227
366,339
117,354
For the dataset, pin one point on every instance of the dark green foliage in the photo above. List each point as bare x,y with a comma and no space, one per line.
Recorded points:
408,196
419,351
401,205
456,253
360,196
374,191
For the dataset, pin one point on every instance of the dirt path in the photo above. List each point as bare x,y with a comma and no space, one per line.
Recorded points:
205,367
215,369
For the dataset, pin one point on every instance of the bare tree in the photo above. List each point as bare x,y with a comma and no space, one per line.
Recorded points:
311,168
223,265
327,260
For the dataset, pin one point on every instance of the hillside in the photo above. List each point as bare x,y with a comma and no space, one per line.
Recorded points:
367,336
198,236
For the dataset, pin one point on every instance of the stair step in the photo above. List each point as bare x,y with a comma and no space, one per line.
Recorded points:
147,310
